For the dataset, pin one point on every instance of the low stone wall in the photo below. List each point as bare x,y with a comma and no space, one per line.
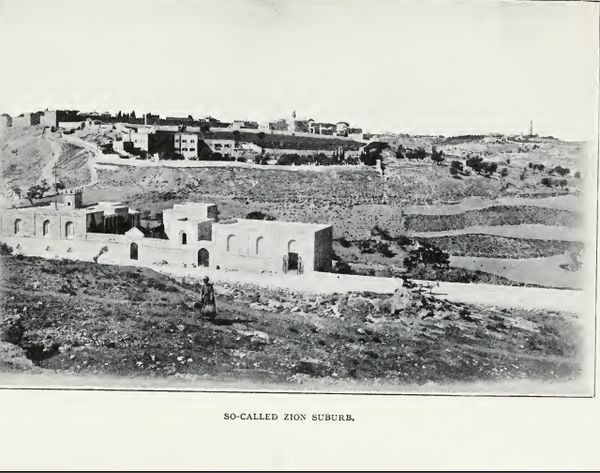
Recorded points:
150,251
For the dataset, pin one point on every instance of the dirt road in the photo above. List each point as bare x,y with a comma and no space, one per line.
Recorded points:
328,283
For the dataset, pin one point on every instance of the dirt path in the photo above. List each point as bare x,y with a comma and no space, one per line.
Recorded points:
48,171
91,162
327,283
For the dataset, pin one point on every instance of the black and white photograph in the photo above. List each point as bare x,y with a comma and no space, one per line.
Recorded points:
299,197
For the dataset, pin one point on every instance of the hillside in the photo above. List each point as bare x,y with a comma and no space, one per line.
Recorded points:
88,318
28,155
296,142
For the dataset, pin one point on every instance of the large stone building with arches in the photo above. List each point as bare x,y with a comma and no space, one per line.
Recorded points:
195,237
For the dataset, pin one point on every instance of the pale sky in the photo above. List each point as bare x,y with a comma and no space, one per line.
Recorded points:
439,67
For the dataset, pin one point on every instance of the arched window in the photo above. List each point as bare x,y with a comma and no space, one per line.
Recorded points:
133,251
17,226
230,243
184,238
69,230
259,245
46,227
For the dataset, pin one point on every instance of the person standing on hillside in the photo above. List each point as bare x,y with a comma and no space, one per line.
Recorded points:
207,299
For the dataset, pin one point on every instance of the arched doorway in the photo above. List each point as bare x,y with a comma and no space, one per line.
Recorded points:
69,230
292,256
46,227
203,256
133,251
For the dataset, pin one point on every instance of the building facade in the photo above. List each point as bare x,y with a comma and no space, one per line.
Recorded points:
195,236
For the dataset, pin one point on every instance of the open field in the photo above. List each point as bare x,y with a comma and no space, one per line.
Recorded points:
128,321
524,230
494,246
545,271
496,215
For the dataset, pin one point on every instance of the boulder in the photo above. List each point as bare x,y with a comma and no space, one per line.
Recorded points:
13,357
400,300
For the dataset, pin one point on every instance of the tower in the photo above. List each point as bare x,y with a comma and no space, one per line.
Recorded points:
73,198
293,122
530,127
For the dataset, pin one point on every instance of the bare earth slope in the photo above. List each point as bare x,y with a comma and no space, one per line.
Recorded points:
28,155
91,318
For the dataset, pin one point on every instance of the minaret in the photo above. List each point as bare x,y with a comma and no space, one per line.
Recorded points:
530,127
293,122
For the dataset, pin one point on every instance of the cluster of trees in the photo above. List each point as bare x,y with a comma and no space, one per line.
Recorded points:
550,182
560,171
319,159
485,168
37,191
426,255
536,167
419,154
411,153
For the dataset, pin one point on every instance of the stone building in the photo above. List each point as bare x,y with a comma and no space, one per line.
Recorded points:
66,220
194,236
5,120
26,119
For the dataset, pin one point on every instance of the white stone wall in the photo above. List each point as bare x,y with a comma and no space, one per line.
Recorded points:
235,245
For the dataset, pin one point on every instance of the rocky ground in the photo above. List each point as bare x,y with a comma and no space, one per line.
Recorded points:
78,317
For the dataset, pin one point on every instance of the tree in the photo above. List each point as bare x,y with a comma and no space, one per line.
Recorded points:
437,156
37,191
427,255
119,115
577,175
17,190
504,172
58,186
546,181
456,167
132,114
400,152
561,171
489,168
563,183
475,163
258,215
342,267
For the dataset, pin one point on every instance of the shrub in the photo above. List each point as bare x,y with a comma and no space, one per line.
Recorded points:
427,255
384,249
344,242
504,172
341,267
258,215
577,175
5,250
548,182
456,167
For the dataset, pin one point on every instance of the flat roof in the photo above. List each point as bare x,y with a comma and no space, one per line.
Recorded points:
64,209
244,222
